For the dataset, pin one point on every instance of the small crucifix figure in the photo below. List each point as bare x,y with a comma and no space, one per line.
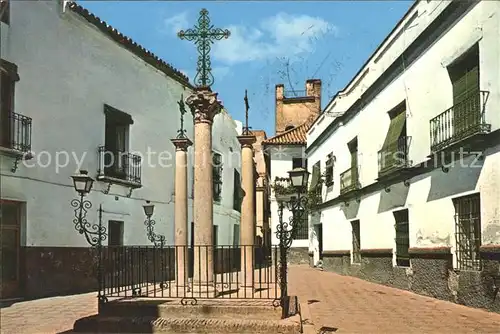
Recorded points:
246,128
181,133
204,34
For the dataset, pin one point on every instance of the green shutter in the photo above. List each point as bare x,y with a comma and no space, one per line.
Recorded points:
466,101
395,129
316,172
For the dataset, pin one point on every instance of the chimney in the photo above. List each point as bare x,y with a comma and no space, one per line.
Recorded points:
278,113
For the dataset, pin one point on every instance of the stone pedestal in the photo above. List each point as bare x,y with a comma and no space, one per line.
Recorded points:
204,106
181,211
247,222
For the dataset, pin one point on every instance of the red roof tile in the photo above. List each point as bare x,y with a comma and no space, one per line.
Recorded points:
295,136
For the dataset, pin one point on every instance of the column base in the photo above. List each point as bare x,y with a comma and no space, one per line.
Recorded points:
183,286
203,290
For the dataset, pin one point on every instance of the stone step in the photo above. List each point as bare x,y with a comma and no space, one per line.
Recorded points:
148,324
220,309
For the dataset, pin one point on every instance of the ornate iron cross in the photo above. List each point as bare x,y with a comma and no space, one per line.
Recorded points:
246,128
181,133
204,34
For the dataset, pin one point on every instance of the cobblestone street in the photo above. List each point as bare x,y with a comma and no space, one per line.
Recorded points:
348,304
47,315
355,306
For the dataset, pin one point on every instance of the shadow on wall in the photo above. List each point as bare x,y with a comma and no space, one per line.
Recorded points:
350,209
461,176
396,197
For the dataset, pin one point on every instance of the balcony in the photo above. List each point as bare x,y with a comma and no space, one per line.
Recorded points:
349,180
394,156
16,134
463,121
119,167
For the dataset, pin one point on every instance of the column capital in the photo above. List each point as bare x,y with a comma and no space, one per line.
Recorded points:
247,140
204,105
181,144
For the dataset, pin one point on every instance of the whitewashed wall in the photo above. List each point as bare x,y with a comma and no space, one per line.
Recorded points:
427,89
68,70
225,142
281,162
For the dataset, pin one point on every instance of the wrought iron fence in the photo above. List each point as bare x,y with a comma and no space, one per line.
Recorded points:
394,155
18,133
349,180
120,165
464,119
209,272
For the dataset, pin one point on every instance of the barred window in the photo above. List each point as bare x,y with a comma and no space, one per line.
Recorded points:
217,176
356,242
329,170
301,230
468,231
402,238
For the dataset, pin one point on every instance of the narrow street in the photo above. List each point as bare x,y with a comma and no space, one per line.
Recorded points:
352,305
347,304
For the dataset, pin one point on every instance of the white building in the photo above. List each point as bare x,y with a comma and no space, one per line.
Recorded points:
402,206
294,114
72,87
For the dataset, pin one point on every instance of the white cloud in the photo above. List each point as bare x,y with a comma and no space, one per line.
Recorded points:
220,72
176,23
282,35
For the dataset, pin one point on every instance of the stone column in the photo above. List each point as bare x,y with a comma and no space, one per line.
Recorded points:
181,210
247,222
204,106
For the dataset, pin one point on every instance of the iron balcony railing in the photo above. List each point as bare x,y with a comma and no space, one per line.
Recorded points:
16,133
157,272
463,120
349,180
394,156
119,165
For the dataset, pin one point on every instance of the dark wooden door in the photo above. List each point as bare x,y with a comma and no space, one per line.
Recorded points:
320,240
10,249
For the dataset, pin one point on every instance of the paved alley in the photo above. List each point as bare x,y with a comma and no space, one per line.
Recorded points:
352,305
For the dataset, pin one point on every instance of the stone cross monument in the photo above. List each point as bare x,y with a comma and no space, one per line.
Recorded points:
204,106
247,222
182,144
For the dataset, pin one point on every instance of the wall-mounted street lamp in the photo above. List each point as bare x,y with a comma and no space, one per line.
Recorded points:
157,239
285,231
95,233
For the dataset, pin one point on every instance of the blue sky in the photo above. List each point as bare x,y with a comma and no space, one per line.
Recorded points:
272,42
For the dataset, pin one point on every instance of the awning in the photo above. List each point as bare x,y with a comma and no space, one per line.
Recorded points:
118,116
10,69
395,128
316,172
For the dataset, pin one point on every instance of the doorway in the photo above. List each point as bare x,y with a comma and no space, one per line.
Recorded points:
320,240
10,241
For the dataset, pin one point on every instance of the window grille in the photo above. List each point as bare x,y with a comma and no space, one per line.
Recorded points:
468,232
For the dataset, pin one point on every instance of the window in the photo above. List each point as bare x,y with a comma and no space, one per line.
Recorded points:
402,238
299,163
236,234
330,161
10,224
356,242
115,233
116,159
217,176
464,75
468,231
316,174
394,149
301,231
237,192
4,11
8,76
